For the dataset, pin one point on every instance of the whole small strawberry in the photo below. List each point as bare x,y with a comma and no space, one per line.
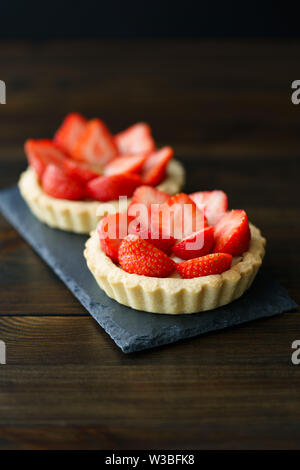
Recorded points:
136,256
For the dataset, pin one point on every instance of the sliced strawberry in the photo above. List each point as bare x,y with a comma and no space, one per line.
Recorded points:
69,132
109,188
112,229
135,139
125,164
146,200
214,203
154,169
140,257
148,195
57,184
178,218
79,170
215,263
155,238
232,233
195,245
41,153
95,144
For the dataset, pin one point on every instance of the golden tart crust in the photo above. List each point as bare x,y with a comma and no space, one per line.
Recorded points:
83,216
175,295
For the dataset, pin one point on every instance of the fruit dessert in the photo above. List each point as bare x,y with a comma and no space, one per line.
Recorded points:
175,254
81,173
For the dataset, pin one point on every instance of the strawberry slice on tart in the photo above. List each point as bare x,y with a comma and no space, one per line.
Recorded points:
232,233
214,203
112,229
57,184
41,153
215,263
135,139
80,171
154,169
178,218
145,201
125,164
67,135
195,245
95,145
148,196
162,223
109,188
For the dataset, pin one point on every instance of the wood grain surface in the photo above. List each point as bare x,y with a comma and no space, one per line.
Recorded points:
226,109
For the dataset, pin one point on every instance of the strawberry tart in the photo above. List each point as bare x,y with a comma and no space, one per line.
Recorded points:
175,254
84,168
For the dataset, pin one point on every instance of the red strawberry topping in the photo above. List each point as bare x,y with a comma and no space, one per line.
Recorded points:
154,168
140,257
178,218
41,153
109,188
232,233
147,195
135,139
145,201
69,132
214,203
195,245
57,184
95,144
125,164
215,263
79,170
112,229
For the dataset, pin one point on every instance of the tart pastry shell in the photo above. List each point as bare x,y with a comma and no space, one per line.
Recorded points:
83,216
175,295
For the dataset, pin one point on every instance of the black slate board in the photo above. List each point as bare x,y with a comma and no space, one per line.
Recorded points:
133,330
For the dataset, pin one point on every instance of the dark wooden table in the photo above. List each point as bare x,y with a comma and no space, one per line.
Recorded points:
226,108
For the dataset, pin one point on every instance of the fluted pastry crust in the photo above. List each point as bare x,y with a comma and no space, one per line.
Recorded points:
175,295
83,216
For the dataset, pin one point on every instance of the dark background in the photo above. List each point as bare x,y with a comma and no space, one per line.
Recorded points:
213,79
136,18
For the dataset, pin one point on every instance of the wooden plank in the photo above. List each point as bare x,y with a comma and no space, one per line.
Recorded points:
224,97
59,340
234,388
